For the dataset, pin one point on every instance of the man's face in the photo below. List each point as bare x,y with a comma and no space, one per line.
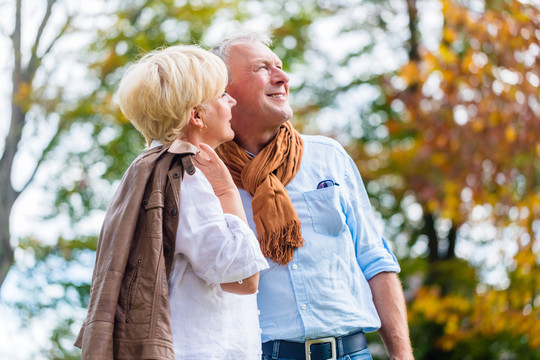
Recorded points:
260,87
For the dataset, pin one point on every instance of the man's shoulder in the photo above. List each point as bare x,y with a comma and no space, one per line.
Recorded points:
322,143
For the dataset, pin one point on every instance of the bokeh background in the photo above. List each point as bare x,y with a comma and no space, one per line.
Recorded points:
438,102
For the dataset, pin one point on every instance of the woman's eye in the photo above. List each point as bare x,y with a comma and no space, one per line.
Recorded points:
224,94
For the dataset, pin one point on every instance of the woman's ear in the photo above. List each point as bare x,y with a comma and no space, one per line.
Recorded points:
196,117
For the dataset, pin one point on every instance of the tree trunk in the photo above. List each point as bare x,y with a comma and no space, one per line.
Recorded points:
452,236
8,195
6,252
412,11
431,233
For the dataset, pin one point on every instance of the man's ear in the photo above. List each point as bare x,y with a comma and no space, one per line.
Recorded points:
196,117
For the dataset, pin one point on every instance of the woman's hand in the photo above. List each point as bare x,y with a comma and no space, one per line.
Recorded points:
215,170
221,180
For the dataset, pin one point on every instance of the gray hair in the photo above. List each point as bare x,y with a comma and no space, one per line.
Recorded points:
223,47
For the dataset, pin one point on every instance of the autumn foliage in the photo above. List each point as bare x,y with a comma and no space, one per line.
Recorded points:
464,139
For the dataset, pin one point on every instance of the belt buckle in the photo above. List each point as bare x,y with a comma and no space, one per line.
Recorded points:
330,340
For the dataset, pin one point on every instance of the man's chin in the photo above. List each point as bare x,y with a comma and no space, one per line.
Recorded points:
287,115
283,112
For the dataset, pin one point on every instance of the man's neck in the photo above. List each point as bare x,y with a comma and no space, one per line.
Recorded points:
255,143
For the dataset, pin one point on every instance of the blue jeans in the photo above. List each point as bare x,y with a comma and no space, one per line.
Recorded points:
359,355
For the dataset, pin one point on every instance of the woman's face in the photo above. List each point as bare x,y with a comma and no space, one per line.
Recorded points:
217,117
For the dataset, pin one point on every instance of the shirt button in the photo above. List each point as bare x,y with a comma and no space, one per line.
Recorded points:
258,312
295,266
304,306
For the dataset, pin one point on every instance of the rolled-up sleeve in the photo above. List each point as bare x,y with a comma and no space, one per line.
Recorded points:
378,260
220,247
372,251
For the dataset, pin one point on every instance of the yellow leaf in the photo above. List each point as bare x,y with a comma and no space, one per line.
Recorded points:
510,133
494,118
22,96
433,205
477,125
409,73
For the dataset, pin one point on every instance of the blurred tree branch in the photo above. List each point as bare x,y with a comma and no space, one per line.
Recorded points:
23,75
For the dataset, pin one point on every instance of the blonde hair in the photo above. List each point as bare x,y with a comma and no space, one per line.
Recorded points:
158,92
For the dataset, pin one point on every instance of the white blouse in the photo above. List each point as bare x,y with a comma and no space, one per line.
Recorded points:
212,248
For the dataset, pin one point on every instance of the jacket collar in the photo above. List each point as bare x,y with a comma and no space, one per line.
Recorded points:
183,147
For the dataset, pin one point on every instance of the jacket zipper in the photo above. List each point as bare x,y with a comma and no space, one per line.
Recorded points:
131,289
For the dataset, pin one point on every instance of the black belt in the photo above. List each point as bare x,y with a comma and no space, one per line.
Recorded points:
321,349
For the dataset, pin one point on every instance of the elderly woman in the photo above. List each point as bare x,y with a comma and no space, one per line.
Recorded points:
176,264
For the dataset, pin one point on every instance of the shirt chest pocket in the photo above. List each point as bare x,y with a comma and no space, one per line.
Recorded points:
325,210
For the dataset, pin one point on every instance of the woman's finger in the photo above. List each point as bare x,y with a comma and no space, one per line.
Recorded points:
202,156
209,151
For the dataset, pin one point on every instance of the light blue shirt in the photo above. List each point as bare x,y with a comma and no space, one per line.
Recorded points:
324,291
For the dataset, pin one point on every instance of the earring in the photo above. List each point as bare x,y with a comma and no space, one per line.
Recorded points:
203,128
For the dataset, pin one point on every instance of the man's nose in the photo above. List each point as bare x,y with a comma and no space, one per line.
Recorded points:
280,76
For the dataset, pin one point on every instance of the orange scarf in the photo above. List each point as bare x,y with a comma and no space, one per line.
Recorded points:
264,177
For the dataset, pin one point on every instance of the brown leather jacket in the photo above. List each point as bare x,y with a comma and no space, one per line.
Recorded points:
128,313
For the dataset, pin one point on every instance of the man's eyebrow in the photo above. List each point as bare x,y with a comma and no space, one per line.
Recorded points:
261,60
271,61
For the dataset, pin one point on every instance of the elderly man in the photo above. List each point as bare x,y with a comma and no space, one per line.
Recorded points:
331,277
